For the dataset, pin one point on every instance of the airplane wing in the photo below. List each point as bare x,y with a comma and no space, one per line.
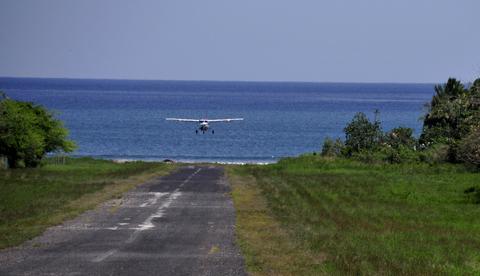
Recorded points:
183,120
225,120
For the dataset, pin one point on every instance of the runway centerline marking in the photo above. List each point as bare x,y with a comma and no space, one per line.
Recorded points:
104,256
153,201
148,224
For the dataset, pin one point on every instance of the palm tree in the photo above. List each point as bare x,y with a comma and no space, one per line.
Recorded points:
446,113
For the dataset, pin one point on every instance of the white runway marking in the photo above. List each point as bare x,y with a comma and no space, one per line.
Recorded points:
148,223
153,201
104,256
190,177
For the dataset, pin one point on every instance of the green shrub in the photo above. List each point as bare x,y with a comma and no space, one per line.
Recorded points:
469,149
361,134
400,136
400,154
369,156
473,195
332,148
387,154
434,154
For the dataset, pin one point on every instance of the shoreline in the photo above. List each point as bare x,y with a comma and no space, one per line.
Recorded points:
184,160
181,161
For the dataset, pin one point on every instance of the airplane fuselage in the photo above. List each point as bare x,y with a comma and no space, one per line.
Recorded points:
203,126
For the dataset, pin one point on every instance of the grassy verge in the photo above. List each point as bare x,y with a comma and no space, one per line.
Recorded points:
33,199
265,244
340,216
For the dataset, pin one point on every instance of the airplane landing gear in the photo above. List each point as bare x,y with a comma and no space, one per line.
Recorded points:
196,131
213,131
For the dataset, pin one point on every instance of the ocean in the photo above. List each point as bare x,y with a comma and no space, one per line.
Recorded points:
125,119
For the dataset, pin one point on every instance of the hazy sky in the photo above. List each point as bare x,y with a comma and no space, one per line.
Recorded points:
301,40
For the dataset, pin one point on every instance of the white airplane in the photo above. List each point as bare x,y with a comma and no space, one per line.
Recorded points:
203,123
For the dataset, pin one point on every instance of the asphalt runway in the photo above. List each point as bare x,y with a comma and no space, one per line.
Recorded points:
180,224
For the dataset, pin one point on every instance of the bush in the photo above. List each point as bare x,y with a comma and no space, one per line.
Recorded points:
361,134
434,154
332,148
387,154
400,154
369,156
400,136
28,132
469,149
366,142
473,195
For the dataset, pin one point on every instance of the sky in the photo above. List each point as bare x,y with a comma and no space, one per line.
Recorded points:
251,40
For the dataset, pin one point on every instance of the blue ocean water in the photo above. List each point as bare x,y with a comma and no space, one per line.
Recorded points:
125,119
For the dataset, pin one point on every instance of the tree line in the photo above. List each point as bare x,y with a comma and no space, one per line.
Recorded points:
451,132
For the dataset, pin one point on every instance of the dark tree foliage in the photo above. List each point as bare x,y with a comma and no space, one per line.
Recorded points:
28,132
361,134
469,149
474,106
452,113
451,131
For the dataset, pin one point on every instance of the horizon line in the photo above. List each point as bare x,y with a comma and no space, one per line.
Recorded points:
230,81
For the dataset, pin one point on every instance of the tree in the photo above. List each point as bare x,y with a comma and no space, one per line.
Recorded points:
361,134
474,106
449,115
28,132
453,114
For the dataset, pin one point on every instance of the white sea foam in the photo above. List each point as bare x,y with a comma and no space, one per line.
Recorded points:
196,161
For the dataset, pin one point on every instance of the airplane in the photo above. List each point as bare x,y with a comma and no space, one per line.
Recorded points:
204,123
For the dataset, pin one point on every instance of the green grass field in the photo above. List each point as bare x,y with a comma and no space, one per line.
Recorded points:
341,216
33,199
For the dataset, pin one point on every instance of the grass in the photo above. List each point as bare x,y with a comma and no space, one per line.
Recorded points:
311,215
33,199
266,245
